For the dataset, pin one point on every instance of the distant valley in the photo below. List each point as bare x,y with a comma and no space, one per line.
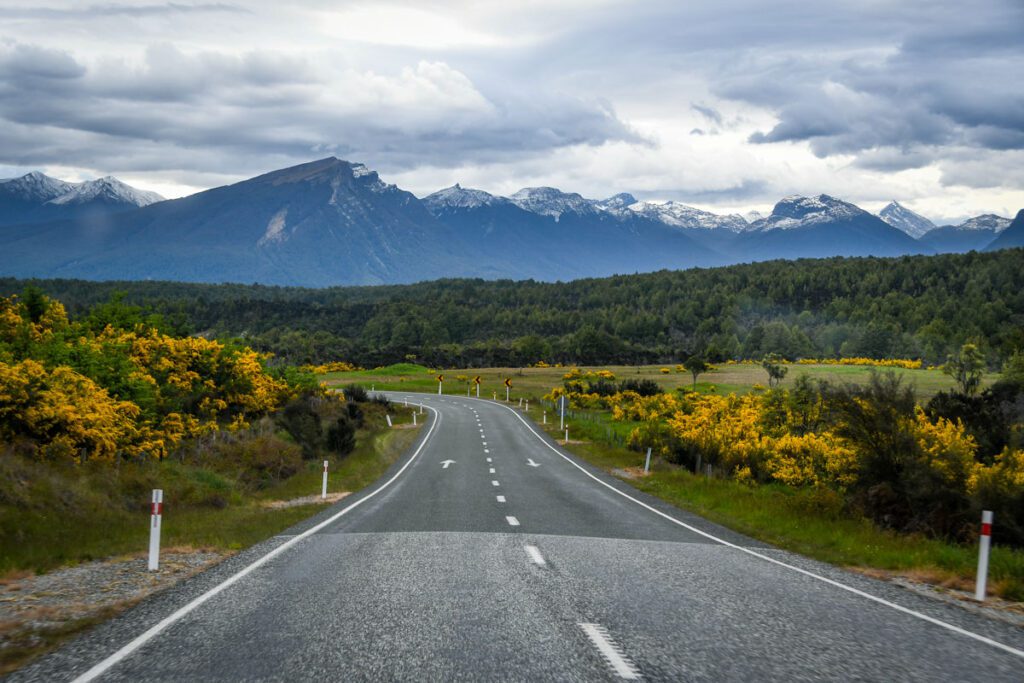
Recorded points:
332,222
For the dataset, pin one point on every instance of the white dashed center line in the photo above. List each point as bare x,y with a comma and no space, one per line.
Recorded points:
501,499
512,521
488,459
535,555
492,471
610,652
494,482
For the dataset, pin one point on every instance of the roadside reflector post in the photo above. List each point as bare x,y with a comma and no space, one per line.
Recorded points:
421,409
389,421
323,491
414,418
545,417
406,403
156,513
567,433
439,385
520,401
494,396
983,550
527,406
647,463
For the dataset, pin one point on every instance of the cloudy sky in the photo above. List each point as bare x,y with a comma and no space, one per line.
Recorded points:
724,104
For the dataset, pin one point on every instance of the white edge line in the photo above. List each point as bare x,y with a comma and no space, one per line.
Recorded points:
153,631
780,563
606,646
535,555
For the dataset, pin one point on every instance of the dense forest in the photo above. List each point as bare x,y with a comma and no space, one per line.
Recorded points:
922,307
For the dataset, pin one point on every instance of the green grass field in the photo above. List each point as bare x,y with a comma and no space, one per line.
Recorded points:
535,382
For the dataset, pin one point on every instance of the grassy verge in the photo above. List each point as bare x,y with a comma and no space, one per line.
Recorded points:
52,533
812,523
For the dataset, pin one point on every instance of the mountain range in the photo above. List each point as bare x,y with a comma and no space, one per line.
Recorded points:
331,222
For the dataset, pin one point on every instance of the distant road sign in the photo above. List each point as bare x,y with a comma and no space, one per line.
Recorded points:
440,378
508,383
477,380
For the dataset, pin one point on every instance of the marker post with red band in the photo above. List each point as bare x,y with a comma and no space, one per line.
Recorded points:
323,493
986,542
156,514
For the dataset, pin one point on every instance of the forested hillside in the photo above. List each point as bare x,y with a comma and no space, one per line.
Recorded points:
911,307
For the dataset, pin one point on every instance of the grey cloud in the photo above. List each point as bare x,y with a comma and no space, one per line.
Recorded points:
263,104
708,112
95,11
944,85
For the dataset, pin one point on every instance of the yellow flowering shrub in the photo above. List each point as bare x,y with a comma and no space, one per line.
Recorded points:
947,449
333,366
80,394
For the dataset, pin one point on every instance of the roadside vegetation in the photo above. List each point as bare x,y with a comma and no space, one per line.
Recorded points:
96,413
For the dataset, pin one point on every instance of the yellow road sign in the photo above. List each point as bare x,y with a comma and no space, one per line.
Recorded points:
508,382
477,380
440,378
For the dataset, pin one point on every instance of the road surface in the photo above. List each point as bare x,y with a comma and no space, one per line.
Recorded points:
488,553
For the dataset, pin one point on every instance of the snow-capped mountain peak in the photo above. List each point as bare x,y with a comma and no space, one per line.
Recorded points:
107,189
683,216
36,187
458,197
753,216
615,203
797,211
549,201
987,221
902,218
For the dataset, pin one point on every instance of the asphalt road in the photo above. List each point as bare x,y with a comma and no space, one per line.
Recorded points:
517,562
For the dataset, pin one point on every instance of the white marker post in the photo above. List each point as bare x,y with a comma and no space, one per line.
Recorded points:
545,417
567,434
520,401
155,516
494,395
439,385
389,421
421,409
323,491
986,542
507,391
527,406
414,418
647,463
478,389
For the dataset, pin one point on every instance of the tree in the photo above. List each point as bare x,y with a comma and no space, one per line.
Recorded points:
697,366
1013,368
772,363
966,368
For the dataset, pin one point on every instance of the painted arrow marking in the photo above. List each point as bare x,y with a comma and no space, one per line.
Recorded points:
531,463
445,463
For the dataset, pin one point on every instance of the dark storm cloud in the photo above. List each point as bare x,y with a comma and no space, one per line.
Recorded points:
943,86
